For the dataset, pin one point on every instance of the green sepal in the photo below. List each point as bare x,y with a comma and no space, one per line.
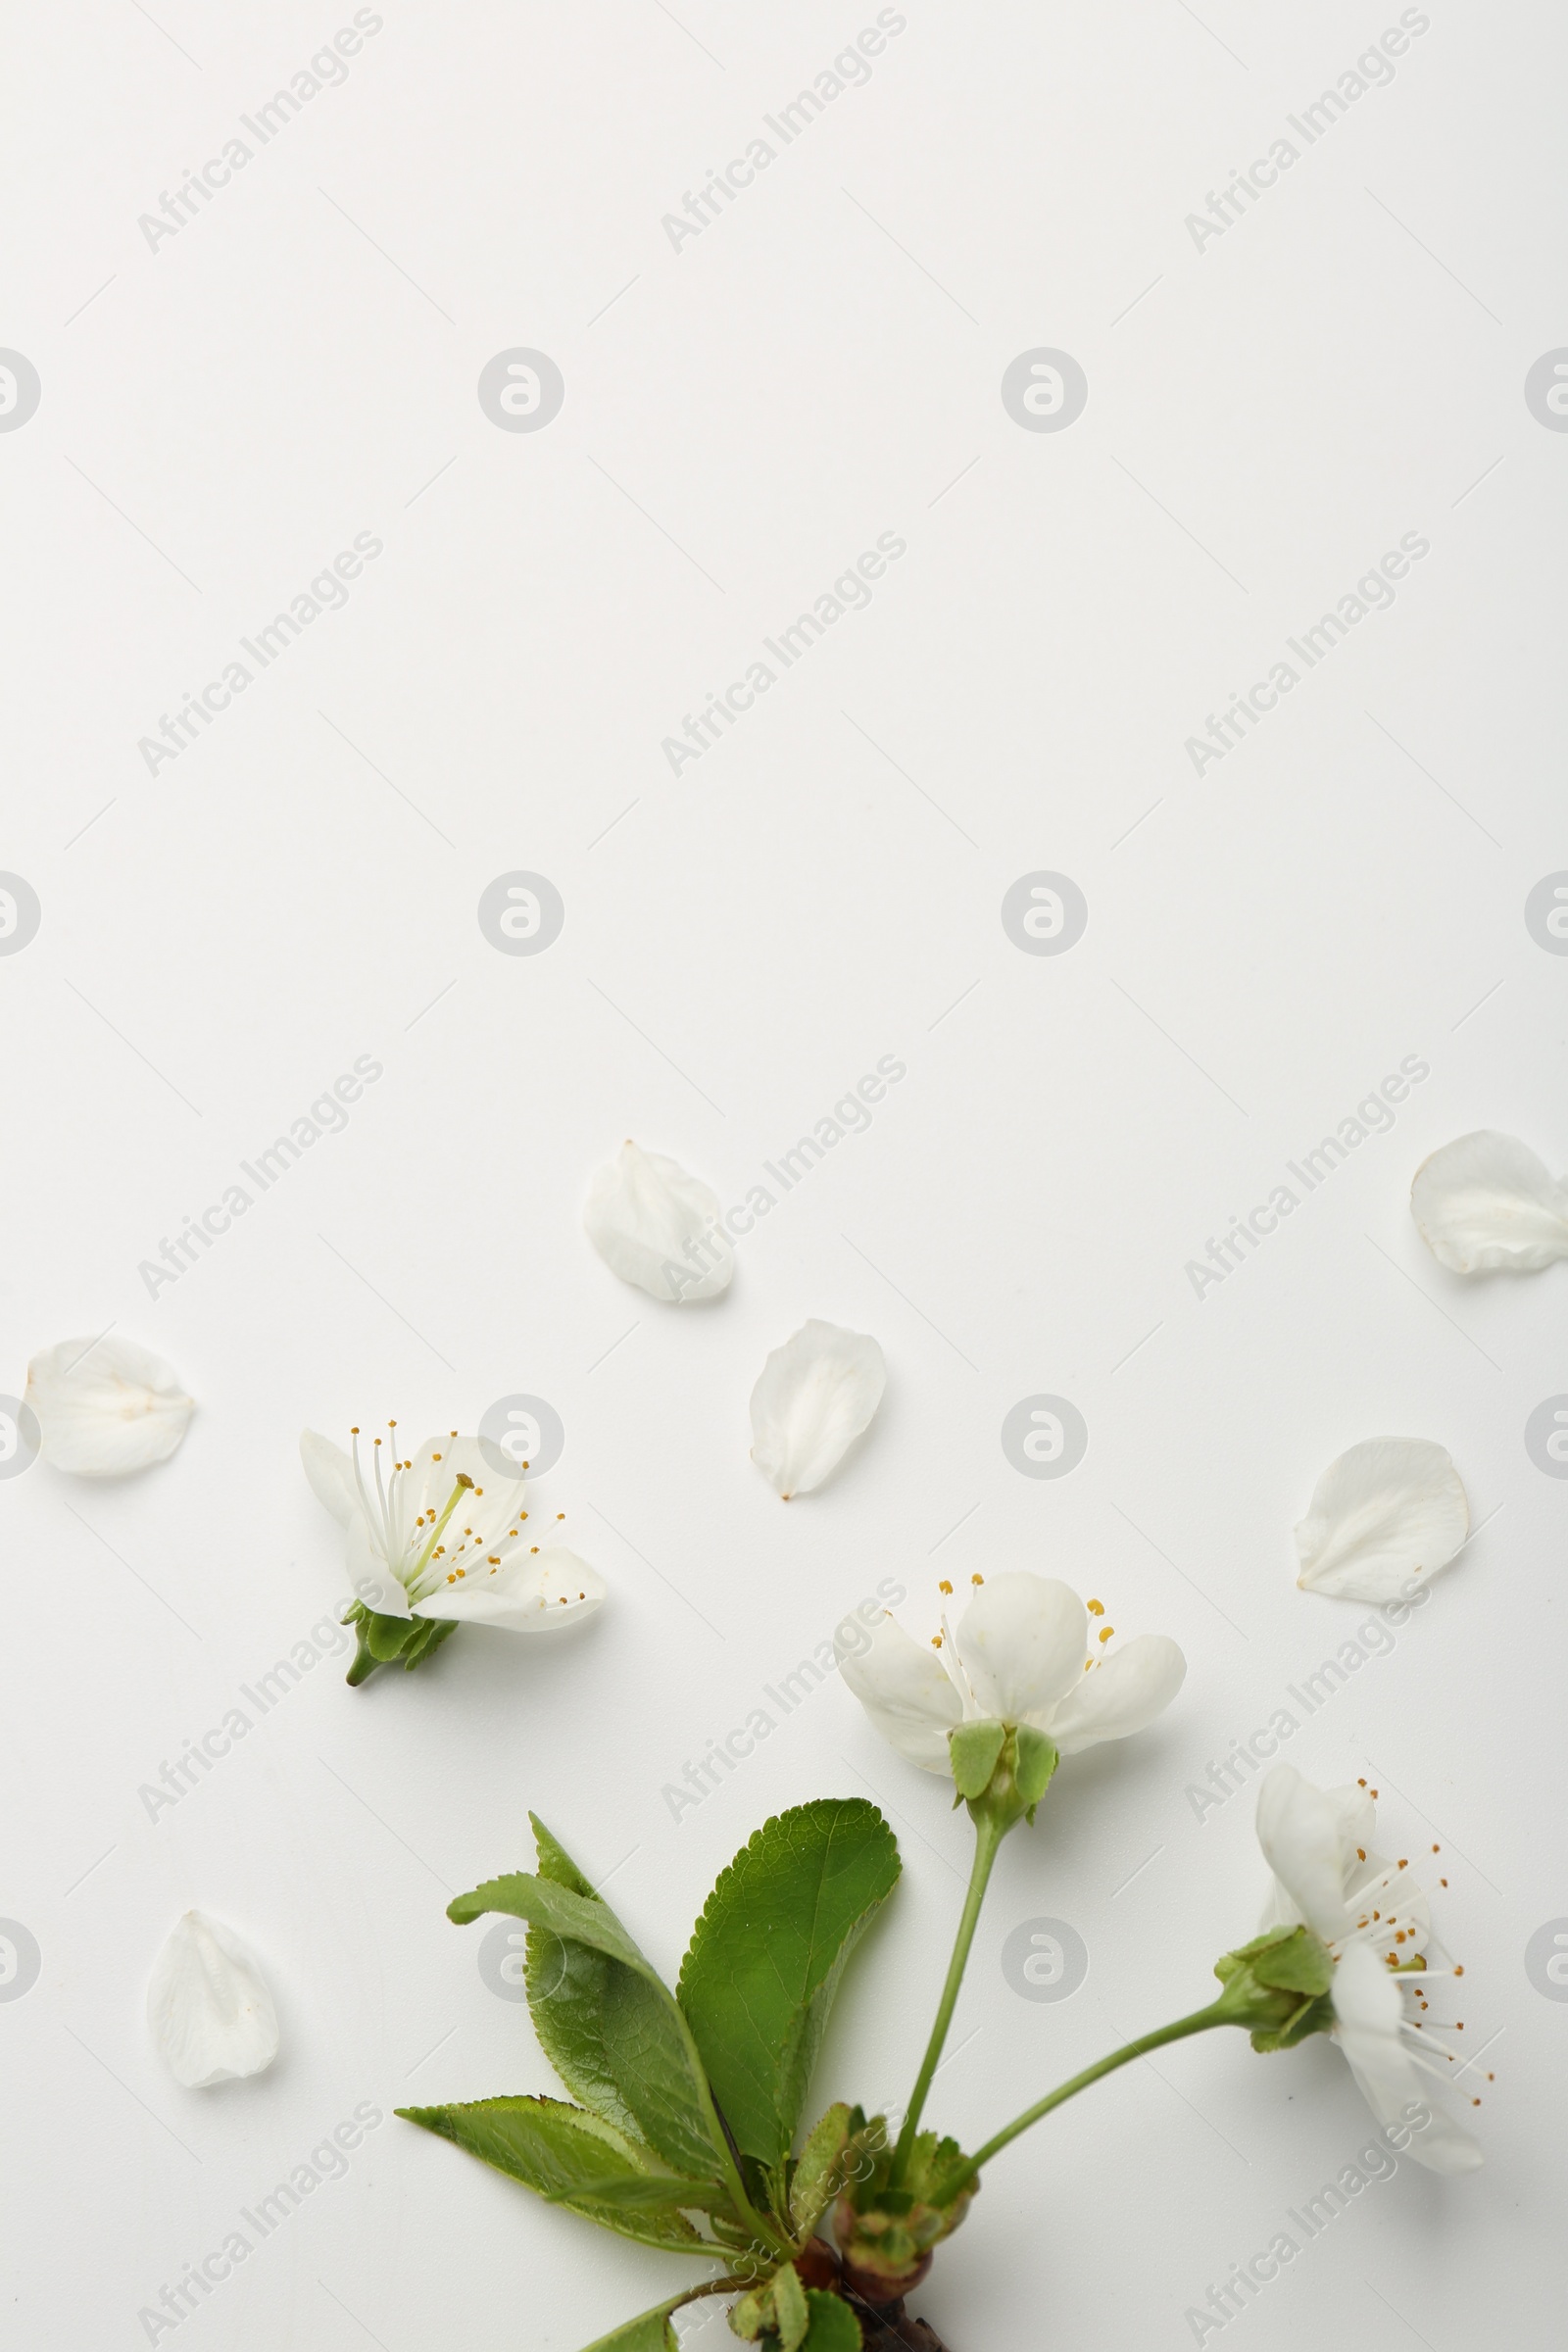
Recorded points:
974,1749
1037,1761
1300,1964
791,2314
818,2176
383,1640
1314,2017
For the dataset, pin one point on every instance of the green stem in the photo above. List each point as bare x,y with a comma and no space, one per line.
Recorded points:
1219,2013
989,1834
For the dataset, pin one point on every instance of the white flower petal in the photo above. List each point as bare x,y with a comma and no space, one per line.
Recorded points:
656,1226
331,1476
545,1593
1486,1203
1122,1695
1021,1645
209,2011
905,1688
815,1396
106,1407
1298,1829
370,1578
1390,1510
1370,2010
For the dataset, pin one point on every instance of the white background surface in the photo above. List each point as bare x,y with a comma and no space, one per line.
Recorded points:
299,365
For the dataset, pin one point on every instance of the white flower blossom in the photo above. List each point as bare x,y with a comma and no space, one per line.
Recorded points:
1021,1655
441,1535
1319,1844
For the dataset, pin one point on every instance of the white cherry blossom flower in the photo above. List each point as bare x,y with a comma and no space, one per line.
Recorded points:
209,2011
440,1535
106,1407
656,1226
1021,1653
813,1398
1487,1204
1390,1510
1319,1844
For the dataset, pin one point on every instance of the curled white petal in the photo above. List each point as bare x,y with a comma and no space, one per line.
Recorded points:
1390,1510
543,1593
1020,1644
1487,1204
331,1476
904,1689
1120,1697
1298,1829
209,2011
656,1226
815,1396
106,1407
1369,2028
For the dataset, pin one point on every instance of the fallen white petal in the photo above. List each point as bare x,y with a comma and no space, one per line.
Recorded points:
543,1593
815,1396
1486,1203
209,2011
106,1407
1390,1510
656,1226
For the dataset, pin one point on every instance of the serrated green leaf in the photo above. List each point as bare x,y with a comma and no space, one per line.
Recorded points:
566,1984
575,2159
817,2175
766,1955
646,2043
650,2331
791,2312
834,2326
973,1748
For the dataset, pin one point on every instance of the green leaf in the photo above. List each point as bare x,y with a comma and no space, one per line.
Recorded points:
643,2038
974,1749
834,2326
817,2174
651,2333
575,2159
567,1985
766,1955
